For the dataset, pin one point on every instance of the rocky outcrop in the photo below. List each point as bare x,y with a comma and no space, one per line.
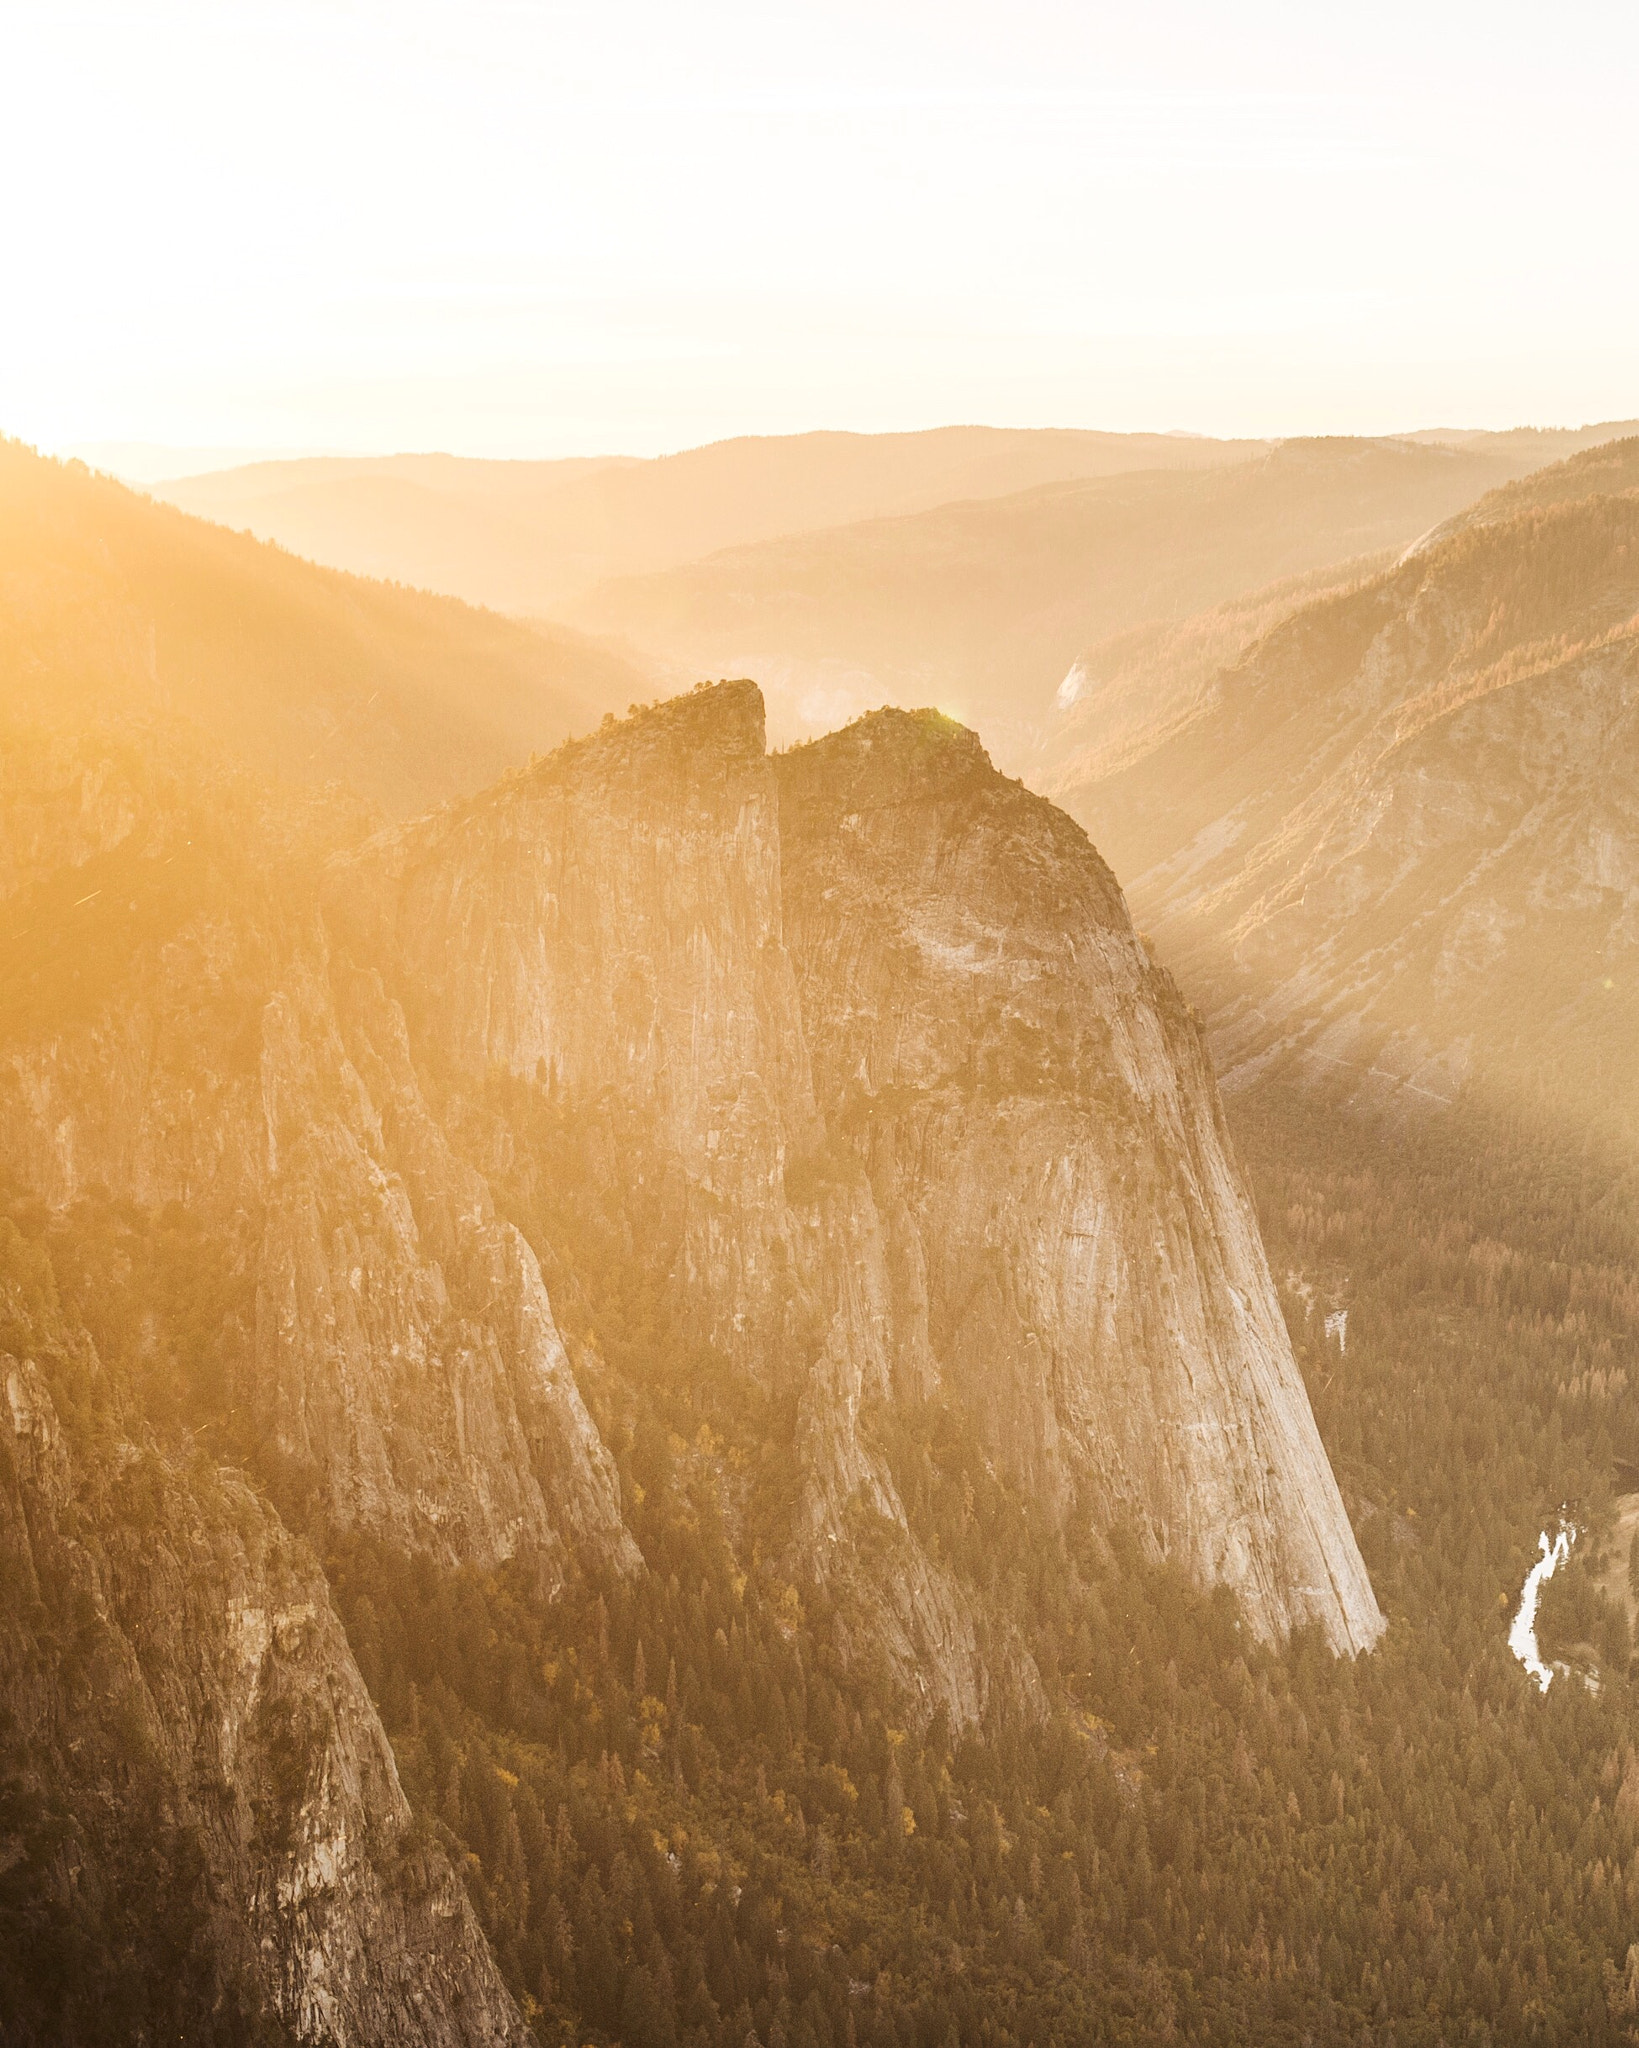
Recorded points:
193,1766
611,923
1076,1258
927,1118
884,1104
611,920
406,1351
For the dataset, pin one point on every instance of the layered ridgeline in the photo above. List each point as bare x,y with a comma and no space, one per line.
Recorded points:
1398,837
528,535
982,569
338,1170
113,608
994,607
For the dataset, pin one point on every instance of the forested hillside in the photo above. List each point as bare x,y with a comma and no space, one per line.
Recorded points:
681,1821
1399,831
115,608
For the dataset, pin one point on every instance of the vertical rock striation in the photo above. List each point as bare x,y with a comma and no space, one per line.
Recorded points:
610,919
198,1040
611,922
889,1106
921,1115
1033,1106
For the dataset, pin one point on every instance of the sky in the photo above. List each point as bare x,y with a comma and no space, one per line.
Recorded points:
517,229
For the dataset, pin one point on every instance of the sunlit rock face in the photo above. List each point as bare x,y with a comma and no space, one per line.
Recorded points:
406,1349
922,1117
182,1706
1029,1100
611,923
866,1057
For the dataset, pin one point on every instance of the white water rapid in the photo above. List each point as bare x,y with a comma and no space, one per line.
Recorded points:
1522,1636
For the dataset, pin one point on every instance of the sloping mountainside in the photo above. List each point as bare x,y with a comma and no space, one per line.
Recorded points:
1122,698
664,1252
525,536
985,607
1399,837
112,607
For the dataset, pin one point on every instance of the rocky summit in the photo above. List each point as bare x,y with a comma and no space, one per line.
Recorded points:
897,1103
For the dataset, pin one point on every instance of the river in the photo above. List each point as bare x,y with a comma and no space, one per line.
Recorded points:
1522,1636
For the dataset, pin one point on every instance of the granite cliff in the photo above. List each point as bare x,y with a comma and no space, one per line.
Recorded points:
1074,1258
202,1831
911,1112
180,1032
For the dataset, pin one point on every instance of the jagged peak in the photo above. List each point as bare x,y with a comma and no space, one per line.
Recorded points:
725,719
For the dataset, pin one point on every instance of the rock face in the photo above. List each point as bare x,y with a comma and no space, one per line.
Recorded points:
1399,840
927,1117
406,1350
192,1757
1073,1255
611,919
612,922
190,1754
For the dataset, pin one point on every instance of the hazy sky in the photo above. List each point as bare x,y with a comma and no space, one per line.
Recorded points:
538,229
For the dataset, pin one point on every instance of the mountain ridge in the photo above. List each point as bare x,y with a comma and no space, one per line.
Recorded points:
117,607
527,536
985,606
1332,775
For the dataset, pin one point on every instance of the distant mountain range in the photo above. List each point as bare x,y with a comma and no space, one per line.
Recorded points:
984,607
528,536
971,568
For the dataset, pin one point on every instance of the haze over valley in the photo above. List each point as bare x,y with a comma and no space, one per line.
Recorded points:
819,1155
